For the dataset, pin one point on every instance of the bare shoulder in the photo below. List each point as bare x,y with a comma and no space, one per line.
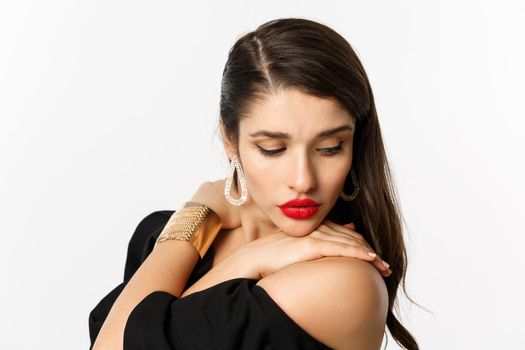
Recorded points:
340,301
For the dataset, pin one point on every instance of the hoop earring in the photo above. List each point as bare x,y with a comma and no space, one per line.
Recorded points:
235,165
351,197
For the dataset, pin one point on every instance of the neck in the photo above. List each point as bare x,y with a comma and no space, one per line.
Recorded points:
255,223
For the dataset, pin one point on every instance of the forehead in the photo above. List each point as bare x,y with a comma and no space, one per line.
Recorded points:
295,113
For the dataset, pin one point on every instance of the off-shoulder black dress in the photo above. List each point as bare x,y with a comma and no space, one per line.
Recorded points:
234,314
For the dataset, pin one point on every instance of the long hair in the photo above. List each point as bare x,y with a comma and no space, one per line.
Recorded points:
312,58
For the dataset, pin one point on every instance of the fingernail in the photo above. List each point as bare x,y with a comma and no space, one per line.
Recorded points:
386,264
372,254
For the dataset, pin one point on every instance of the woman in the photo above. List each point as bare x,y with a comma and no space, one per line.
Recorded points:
272,257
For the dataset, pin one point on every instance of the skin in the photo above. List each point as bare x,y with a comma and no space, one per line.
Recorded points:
301,170
308,267
343,301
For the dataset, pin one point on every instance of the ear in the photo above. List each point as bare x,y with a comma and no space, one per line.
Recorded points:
228,146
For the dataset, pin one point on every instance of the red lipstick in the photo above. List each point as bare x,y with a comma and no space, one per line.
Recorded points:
299,208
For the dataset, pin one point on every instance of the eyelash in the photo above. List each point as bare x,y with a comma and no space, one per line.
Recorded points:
330,151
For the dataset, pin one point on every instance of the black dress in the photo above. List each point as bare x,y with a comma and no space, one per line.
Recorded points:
234,314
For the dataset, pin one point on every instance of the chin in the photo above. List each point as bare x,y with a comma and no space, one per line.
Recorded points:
298,235
299,229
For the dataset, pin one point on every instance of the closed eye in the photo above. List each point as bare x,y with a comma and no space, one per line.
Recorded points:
329,151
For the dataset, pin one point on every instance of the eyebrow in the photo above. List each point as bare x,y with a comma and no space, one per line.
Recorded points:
282,135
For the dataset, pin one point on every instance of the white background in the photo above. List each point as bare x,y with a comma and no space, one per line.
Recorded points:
108,112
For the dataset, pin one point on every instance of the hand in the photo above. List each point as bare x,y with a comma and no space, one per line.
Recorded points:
211,193
360,241
264,256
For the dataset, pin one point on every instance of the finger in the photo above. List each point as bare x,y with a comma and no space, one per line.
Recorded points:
340,228
351,226
345,230
331,248
327,233
379,263
336,248
386,273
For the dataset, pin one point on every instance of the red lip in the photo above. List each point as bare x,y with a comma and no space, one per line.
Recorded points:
299,202
299,208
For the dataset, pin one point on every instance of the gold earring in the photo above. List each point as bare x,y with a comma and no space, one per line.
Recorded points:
351,197
235,165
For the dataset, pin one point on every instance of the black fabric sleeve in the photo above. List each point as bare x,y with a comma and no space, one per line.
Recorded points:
234,314
139,247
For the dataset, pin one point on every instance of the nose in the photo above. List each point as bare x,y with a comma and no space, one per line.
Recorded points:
302,175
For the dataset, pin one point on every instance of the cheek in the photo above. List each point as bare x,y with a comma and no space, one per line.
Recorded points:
260,177
336,176
333,181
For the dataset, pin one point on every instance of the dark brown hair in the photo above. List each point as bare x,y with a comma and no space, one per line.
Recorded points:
308,56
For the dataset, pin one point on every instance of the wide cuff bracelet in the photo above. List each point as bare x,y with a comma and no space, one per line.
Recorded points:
195,223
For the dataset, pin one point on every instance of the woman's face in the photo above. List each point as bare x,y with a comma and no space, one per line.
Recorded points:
294,145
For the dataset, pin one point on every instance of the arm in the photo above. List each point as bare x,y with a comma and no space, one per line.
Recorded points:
226,270
340,301
167,268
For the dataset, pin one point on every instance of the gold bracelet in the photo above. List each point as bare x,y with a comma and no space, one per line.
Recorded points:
194,222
